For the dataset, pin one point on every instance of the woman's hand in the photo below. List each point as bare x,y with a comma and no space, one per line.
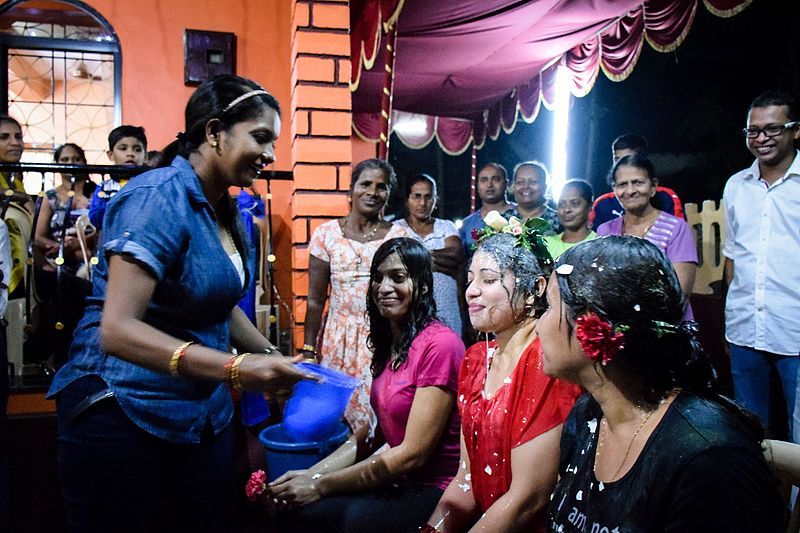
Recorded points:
294,488
275,375
47,246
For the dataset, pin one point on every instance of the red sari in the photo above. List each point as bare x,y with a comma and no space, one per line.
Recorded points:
522,409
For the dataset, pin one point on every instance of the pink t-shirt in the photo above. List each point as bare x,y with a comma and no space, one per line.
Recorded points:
434,360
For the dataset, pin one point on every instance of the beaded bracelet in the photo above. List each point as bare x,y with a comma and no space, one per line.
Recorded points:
177,355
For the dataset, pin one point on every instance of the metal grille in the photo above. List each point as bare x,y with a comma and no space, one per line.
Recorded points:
59,97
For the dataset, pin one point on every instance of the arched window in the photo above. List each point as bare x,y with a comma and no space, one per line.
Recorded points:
61,75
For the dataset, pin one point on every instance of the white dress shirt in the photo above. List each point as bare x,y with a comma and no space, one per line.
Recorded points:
762,310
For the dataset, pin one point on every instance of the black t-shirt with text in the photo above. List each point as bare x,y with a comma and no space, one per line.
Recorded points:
698,471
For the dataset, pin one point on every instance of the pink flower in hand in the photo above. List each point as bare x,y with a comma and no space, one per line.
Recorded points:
256,485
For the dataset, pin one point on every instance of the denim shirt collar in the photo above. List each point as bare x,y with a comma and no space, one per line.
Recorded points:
191,181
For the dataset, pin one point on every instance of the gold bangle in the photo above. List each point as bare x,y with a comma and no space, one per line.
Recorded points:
308,348
236,381
177,355
228,367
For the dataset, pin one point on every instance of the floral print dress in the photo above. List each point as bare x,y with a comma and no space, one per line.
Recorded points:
346,326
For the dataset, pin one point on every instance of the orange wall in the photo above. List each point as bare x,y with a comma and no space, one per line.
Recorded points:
151,36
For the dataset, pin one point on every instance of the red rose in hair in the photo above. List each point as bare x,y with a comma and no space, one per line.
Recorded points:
256,485
476,236
599,340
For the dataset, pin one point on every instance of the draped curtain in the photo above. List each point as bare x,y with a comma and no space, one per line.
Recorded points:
615,49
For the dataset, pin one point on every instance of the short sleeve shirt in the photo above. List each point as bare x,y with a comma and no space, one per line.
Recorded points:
698,472
163,221
434,360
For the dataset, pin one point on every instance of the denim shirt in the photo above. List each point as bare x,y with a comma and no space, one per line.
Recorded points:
163,221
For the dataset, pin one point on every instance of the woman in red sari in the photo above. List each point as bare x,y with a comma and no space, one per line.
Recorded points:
511,411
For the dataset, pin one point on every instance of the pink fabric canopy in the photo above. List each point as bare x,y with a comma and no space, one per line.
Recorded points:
489,60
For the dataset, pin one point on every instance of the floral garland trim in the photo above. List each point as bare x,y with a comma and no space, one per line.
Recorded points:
529,234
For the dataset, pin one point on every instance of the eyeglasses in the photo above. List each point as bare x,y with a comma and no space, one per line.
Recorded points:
773,130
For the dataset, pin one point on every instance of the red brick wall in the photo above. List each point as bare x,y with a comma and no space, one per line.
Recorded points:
320,130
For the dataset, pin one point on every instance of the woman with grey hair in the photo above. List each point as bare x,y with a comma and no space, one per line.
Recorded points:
511,411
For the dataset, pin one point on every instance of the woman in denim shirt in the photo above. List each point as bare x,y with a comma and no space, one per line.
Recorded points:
144,415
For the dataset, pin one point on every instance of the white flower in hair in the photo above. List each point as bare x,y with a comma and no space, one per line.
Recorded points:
565,269
495,220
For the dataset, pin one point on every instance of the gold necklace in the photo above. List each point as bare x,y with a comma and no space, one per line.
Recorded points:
647,229
366,236
645,417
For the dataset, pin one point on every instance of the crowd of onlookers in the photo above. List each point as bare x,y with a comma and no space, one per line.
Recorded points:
763,304
474,342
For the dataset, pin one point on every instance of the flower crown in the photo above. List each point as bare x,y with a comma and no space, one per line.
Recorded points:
529,234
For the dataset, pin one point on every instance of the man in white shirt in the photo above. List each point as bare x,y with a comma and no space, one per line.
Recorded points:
762,254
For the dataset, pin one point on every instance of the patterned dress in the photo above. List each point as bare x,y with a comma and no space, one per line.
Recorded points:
445,289
346,327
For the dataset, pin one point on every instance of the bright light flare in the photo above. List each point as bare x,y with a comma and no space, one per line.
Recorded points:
410,125
558,167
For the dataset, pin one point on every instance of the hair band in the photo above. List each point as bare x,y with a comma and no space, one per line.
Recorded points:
242,98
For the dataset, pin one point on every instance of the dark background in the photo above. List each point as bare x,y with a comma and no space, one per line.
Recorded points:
690,104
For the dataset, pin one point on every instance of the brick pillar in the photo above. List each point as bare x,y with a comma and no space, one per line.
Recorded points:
320,129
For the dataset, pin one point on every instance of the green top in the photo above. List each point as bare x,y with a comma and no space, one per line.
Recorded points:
556,246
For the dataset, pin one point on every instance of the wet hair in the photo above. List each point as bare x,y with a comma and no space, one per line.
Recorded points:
373,164
418,178
497,166
120,132
421,312
628,281
57,153
11,120
538,165
631,141
211,100
585,190
635,161
777,98
523,264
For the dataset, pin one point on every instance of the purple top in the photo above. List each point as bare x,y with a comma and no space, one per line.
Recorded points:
434,360
671,234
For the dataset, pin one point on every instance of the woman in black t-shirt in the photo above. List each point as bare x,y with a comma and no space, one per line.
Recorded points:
651,447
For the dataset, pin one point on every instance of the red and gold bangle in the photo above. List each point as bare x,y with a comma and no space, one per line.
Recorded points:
177,355
228,370
232,377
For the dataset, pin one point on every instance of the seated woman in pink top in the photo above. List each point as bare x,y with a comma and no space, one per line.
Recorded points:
634,181
415,365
